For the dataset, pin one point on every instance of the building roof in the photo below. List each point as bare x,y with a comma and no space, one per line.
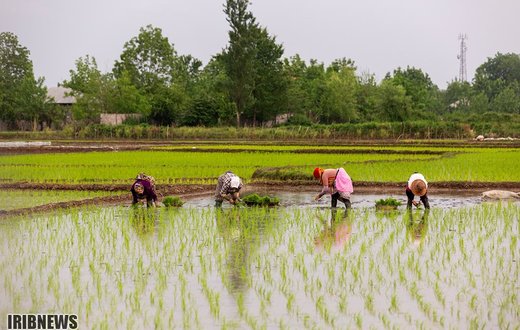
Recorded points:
58,94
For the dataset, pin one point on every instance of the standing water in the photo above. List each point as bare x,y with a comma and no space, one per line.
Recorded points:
300,265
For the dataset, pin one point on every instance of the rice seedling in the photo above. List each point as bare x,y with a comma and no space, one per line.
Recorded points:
172,201
260,267
257,200
452,164
387,204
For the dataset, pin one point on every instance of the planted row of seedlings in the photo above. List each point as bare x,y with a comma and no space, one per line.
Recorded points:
265,267
189,167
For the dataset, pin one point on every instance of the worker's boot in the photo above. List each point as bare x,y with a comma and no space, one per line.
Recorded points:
334,199
346,201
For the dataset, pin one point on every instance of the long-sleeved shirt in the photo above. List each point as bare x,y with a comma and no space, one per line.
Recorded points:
148,193
327,180
334,174
224,184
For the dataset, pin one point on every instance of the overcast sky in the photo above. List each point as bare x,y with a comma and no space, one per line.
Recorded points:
379,35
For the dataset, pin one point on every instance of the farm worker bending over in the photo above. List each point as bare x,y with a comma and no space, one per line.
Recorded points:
417,186
228,188
144,188
335,182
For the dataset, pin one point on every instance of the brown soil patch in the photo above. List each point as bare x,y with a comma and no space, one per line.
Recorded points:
184,191
312,151
63,146
65,149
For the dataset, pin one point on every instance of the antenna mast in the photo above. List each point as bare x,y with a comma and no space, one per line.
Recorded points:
462,58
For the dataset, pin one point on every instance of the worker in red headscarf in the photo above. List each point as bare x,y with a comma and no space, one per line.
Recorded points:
337,183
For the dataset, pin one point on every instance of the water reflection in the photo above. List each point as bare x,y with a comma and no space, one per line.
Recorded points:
143,220
230,229
416,226
243,232
336,231
359,200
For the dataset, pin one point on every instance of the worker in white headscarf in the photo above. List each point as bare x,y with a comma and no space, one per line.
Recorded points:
228,188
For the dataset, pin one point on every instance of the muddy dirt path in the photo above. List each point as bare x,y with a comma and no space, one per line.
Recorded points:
369,186
8,147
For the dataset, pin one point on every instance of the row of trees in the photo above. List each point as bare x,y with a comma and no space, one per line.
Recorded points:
248,83
22,97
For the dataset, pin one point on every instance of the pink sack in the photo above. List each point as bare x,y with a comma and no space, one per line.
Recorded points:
343,183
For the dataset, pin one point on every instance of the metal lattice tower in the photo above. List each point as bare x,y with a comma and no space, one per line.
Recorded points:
463,74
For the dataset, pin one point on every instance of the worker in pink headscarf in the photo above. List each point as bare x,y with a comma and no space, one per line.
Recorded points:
337,183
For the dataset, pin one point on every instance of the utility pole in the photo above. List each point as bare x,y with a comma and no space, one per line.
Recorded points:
463,74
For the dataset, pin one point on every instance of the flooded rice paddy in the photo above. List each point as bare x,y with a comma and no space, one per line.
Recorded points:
306,199
300,265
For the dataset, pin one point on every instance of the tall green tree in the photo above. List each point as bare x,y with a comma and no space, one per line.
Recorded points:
367,97
168,104
155,69
91,89
479,103
457,96
508,99
149,60
211,104
98,92
34,106
22,97
126,98
239,55
298,100
270,83
339,98
496,74
418,86
392,103
315,86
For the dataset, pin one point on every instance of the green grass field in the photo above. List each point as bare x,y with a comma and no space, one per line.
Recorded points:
169,165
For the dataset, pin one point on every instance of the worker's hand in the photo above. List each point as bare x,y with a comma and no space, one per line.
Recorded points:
415,203
317,197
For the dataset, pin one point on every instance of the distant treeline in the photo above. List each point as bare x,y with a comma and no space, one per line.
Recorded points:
251,84
507,126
